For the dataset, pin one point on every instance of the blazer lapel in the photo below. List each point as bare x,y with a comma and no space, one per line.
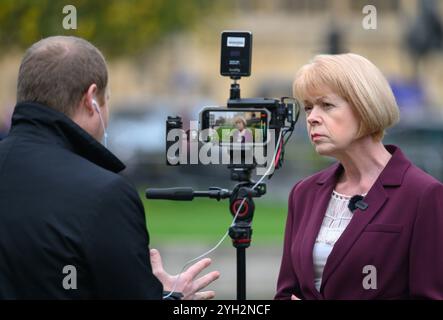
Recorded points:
322,197
375,199
391,176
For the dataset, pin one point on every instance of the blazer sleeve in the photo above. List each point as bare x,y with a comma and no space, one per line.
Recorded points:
118,246
287,283
426,251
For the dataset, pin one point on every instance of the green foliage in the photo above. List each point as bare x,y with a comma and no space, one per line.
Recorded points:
206,220
116,26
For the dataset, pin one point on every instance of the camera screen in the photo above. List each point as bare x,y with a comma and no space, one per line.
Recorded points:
235,126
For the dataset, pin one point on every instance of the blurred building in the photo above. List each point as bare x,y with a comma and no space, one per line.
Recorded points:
287,34
180,75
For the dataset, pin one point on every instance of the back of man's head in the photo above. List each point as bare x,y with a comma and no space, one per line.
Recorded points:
57,71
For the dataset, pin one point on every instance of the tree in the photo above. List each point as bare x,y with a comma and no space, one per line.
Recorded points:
118,27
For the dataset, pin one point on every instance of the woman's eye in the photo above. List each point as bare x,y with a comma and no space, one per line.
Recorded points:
308,108
328,105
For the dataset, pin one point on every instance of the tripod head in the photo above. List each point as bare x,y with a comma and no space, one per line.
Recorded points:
241,204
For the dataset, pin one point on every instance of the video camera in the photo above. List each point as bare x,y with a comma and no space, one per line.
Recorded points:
244,125
241,128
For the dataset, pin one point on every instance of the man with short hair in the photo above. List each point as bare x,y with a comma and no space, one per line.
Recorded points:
70,226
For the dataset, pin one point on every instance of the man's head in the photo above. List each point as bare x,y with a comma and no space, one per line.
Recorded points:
66,74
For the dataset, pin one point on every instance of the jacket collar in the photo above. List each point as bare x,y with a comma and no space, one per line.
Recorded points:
392,174
46,124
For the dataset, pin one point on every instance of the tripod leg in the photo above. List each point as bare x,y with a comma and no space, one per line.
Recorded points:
241,273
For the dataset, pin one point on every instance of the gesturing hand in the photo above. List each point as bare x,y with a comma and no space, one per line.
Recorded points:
187,284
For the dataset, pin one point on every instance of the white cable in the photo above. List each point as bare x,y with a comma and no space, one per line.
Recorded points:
232,223
105,133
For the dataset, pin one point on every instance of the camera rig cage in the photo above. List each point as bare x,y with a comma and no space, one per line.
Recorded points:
236,54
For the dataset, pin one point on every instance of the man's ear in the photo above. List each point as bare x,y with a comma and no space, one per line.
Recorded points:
88,98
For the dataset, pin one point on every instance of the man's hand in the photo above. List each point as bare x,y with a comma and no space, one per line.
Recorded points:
187,284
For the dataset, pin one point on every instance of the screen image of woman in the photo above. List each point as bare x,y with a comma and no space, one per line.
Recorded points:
241,134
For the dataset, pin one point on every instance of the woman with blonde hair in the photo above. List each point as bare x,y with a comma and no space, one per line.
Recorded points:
241,134
371,225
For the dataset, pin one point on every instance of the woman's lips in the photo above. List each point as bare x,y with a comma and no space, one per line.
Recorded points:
316,136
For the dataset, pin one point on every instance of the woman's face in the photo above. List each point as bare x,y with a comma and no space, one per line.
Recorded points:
239,125
332,124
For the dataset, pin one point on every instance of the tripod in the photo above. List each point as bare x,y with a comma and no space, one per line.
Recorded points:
241,204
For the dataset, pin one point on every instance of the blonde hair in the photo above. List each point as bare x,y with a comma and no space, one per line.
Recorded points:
359,82
240,119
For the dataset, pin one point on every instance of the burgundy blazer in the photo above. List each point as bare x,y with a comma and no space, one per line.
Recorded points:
400,234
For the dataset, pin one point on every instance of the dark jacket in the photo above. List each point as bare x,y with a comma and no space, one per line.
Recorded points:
400,234
62,203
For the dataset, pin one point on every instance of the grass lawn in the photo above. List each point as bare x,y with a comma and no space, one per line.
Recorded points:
206,221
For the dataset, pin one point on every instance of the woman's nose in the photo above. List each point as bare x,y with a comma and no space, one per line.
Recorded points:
313,117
